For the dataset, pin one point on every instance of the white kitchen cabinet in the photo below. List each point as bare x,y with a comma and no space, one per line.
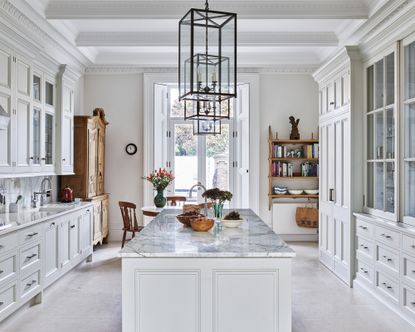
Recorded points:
65,112
74,249
340,133
85,232
64,242
51,259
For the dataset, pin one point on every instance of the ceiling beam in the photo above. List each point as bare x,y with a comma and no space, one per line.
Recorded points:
173,9
245,39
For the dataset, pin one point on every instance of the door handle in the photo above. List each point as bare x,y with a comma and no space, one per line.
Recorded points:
331,195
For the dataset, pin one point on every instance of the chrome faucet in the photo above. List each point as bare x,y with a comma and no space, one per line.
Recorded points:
44,193
200,186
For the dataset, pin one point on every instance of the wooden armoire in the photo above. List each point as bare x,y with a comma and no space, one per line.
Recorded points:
89,167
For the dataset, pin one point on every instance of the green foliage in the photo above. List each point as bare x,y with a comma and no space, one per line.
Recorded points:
216,194
234,215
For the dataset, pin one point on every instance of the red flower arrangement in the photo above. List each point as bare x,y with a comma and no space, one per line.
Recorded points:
160,178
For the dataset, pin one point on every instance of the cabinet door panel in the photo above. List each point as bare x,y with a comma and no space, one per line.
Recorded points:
97,223
105,229
64,254
51,250
74,238
23,77
5,135
101,160
5,69
67,142
23,133
85,230
92,162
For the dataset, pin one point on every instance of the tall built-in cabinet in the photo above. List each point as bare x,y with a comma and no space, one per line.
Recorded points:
88,181
37,140
340,100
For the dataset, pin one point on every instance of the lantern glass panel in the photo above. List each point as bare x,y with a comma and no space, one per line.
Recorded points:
185,54
207,127
206,110
228,68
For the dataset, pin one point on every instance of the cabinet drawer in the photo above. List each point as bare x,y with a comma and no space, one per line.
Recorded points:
408,244
365,271
29,256
365,247
8,242
387,258
29,283
8,267
408,269
387,286
408,297
387,236
29,234
8,297
364,228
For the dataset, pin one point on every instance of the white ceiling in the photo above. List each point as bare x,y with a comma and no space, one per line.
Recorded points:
144,32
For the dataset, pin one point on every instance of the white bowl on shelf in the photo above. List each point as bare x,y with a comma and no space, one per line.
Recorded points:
231,223
311,191
295,191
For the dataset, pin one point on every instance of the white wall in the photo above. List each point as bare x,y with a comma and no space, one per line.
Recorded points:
122,99
283,95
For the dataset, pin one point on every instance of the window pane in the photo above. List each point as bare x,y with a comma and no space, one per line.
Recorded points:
185,160
410,71
36,87
390,79
390,134
370,132
49,93
410,189
49,124
379,135
370,185
176,107
370,89
36,136
379,85
390,187
217,159
410,131
379,186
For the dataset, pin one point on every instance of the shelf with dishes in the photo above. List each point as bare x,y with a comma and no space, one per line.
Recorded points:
289,161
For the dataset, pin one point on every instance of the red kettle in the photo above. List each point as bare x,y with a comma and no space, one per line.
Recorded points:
67,195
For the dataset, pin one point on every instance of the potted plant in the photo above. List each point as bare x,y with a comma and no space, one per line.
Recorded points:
232,219
160,179
218,198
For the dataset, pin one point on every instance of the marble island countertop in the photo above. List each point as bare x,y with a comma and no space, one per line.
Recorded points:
10,222
164,236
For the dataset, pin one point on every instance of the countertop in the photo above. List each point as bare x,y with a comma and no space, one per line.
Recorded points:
165,236
10,222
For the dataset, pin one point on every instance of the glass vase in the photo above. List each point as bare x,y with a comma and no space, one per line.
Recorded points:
218,209
159,199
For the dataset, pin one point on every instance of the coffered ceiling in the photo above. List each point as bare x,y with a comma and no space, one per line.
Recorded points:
144,32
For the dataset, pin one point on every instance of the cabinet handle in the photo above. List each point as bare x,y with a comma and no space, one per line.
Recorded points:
32,234
1,246
63,159
363,227
363,246
413,303
31,283
87,211
331,195
388,259
73,226
31,256
31,158
364,271
52,224
332,103
1,271
413,246
43,158
1,303
386,236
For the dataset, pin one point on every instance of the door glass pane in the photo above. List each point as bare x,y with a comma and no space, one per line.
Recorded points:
410,71
370,185
410,131
49,93
390,79
370,137
379,186
390,134
185,160
390,187
379,135
217,160
36,136
370,89
49,139
176,107
410,188
379,85
36,87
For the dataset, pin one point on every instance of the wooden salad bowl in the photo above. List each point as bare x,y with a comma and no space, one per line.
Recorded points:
186,218
202,224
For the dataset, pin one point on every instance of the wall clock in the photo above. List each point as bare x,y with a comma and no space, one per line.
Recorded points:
131,149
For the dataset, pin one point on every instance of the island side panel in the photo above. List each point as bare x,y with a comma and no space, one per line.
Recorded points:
206,294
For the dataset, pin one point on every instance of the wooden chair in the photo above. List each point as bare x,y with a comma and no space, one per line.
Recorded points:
172,200
129,219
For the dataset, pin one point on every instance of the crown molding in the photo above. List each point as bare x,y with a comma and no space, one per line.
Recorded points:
245,39
33,32
87,9
128,69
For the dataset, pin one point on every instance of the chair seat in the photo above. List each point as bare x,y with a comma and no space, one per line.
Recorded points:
135,229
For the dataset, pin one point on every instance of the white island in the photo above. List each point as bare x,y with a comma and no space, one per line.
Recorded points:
224,280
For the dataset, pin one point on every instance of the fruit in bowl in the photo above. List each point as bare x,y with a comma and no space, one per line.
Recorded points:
186,218
232,220
202,224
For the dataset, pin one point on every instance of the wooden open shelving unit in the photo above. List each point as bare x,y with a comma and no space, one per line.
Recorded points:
273,179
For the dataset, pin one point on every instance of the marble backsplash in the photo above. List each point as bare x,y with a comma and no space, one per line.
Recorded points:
13,187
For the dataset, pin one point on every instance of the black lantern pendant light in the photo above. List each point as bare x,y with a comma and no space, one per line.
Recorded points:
207,67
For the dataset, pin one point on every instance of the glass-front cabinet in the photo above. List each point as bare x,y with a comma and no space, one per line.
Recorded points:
381,147
408,126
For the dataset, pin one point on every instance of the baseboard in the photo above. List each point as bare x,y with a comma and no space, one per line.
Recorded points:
299,237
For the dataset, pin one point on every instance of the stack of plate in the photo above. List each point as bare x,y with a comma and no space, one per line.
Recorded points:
280,190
